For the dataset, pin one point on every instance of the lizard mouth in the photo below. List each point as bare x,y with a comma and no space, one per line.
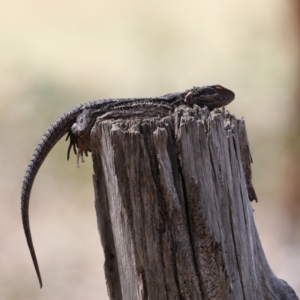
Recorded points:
214,100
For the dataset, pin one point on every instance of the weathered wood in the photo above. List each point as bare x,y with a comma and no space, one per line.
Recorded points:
172,200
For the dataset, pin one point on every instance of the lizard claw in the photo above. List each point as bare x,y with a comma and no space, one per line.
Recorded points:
73,143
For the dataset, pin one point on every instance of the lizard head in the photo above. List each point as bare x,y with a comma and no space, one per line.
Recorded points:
213,96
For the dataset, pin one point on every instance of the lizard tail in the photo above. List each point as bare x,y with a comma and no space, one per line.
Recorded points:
54,133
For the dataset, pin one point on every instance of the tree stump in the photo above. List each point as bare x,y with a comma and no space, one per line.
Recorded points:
173,207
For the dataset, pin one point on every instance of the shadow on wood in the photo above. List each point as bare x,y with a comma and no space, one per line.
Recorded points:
172,200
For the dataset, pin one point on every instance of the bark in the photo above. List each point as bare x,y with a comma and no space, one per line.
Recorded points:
172,201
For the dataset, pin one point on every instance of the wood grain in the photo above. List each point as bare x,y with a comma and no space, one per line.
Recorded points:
173,207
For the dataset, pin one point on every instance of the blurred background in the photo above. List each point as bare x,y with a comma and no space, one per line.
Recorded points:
57,54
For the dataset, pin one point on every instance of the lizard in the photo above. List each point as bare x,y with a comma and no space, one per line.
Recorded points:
78,121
